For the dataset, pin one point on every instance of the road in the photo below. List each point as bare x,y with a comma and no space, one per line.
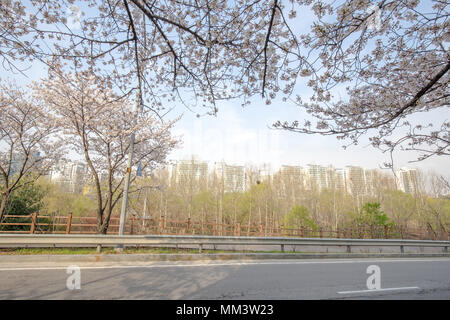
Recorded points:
275,279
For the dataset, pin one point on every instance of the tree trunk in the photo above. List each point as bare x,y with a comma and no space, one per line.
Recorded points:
5,197
104,227
99,220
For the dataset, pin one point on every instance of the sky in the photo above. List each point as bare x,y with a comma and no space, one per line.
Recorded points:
243,135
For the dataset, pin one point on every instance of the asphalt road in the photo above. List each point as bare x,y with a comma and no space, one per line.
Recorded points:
269,280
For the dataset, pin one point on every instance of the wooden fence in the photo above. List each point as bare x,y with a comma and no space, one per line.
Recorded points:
70,224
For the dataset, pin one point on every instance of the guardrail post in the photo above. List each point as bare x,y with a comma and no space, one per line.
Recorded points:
402,249
33,222
69,223
446,249
321,232
282,247
338,234
349,249
200,248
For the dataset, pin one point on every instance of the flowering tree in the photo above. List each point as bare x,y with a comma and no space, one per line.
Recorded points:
393,56
97,124
197,51
28,147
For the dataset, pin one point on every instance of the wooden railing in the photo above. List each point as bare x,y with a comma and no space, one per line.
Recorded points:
69,224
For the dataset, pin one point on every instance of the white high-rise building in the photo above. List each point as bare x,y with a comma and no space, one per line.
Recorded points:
70,175
232,177
316,176
292,178
336,178
355,180
407,180
292,174
189,171
370,178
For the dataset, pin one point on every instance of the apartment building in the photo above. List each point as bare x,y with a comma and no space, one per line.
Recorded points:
407,180
232,177
71,176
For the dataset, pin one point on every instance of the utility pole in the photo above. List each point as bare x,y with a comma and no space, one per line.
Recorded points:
126,188
138,109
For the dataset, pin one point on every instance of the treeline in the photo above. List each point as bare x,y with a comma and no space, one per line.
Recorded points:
283,201
275,202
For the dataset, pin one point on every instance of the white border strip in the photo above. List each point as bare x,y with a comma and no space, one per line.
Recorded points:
378,290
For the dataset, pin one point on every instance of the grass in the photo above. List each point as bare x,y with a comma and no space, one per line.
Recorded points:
128,250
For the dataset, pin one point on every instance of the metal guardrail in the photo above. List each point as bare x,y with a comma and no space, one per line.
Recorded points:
52,240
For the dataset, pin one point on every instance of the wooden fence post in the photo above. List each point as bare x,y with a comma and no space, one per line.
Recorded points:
189,224
214,227
33,222
132,225
238,231
69,223
161,225
260,230
302,231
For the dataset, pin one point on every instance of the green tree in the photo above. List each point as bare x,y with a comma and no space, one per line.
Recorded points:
299,217
23,202
371,216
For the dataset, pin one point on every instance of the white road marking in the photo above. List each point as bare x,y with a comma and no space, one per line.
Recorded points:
143,266
378,290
